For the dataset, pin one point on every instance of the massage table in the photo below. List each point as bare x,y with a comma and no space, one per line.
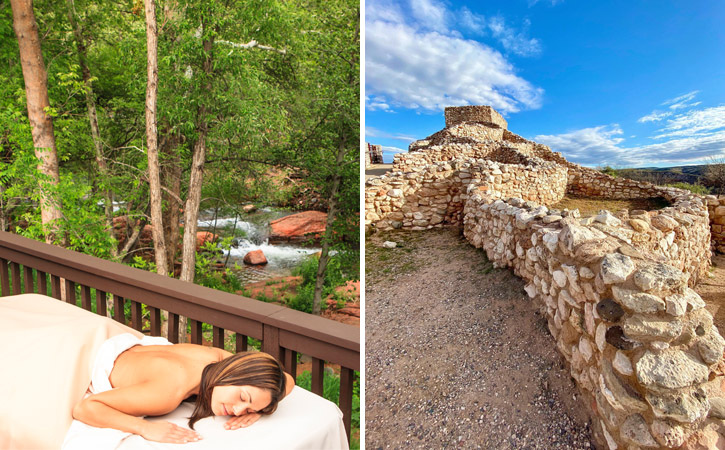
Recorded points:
48,351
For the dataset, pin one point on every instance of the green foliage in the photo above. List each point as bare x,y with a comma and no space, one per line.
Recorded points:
694,188
207,274
611,171
143,264
335,276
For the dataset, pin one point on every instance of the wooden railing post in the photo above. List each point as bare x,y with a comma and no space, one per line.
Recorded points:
28,279
15,271
4,278
270,341
346,381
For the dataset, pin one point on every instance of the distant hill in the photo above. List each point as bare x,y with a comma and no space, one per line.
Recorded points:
666,175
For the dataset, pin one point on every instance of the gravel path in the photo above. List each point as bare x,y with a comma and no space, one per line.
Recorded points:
457,356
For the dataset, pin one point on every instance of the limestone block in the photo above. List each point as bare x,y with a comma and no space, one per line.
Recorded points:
711,347
551,240
589,319
659,276
559,278
585,348
680,406
611,443
622,363
635,431
639,225
647,327
664,223
575,235
600,336
615,268
607,218
638,302
621,398
671,369
667,434
586,273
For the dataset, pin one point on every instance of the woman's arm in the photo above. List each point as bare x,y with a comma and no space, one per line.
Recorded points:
120,408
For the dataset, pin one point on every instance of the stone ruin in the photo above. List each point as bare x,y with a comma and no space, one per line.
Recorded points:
615,289
373,155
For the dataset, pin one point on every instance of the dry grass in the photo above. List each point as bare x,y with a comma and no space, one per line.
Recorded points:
590,206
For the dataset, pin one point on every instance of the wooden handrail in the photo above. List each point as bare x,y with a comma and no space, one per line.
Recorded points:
283,332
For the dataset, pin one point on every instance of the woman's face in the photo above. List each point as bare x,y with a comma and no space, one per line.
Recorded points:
238,400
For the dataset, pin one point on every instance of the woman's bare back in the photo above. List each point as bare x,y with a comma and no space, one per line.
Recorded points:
179,365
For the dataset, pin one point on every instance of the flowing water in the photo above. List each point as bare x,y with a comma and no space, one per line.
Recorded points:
251,232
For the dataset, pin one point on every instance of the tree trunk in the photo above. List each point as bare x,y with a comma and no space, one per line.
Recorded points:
171,177
191,210
93,119
193,199
36,92
152,140
331,213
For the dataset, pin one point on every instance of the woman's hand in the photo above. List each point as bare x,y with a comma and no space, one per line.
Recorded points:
168,432
242,421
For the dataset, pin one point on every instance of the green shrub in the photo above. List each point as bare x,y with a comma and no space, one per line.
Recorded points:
694,188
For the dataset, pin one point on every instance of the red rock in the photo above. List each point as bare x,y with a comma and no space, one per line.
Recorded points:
255,257
298,227
203,237
351,289
351,309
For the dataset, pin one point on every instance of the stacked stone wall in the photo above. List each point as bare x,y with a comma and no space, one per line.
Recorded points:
434,196
587,182
716,210
639,342
481,114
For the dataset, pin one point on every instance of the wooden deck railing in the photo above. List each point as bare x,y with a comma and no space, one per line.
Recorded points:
283,332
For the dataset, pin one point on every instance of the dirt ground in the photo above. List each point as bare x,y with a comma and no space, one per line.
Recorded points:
457,355
590,206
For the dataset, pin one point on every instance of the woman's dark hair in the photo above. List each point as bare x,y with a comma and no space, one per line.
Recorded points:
243,369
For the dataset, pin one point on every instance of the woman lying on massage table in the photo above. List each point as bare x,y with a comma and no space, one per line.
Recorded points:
152,380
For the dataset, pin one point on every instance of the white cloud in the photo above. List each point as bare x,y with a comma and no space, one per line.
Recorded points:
429,70
386,10
376,103
471,21
390,152
701,122
681,102
601,145
374,132
513,41
430,13
550,2
417,58
654,116
588,146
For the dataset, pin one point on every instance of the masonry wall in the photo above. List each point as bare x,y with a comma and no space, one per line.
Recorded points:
640,344
716,209
434,196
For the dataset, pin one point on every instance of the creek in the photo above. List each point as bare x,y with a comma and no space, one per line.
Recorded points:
250,232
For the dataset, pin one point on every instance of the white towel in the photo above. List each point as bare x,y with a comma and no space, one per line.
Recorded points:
109,352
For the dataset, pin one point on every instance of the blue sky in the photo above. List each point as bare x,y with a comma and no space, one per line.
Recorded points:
619,83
